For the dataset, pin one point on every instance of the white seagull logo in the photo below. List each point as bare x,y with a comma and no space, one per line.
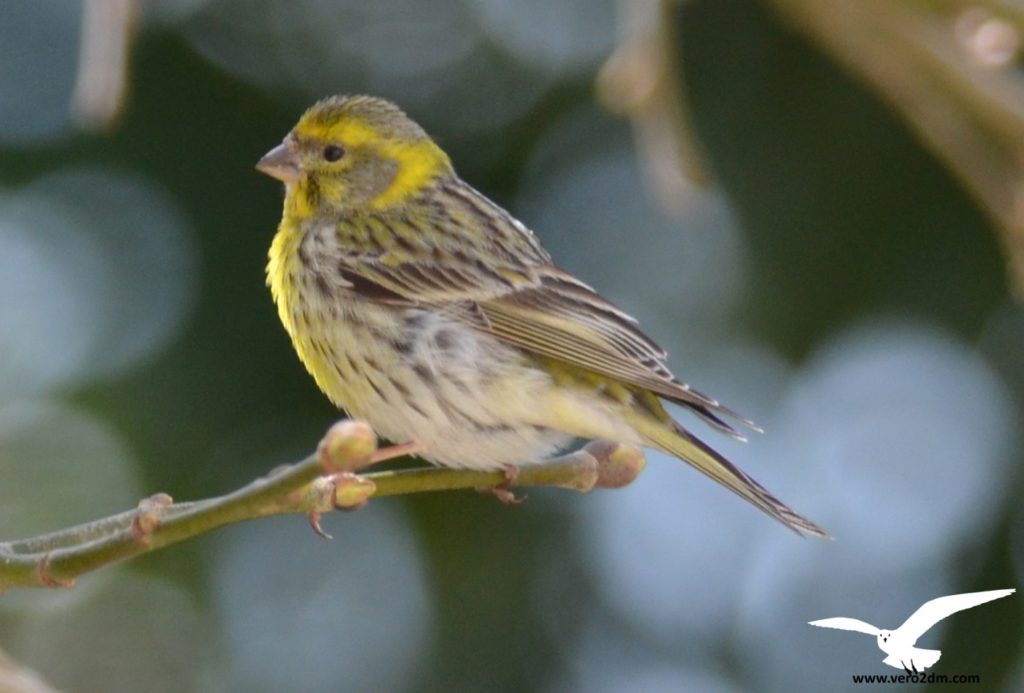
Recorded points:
899,643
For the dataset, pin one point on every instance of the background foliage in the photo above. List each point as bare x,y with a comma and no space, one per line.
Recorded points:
838,282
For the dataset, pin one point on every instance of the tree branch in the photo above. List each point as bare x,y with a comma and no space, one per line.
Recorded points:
321,482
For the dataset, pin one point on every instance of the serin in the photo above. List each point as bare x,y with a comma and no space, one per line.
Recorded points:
427,310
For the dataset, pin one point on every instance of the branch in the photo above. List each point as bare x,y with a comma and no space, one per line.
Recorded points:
108,29
321,482
948,69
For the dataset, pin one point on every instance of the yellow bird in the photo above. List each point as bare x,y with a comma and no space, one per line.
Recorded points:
427,310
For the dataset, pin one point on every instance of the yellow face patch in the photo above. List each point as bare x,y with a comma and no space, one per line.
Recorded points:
350,132
419,161
418,164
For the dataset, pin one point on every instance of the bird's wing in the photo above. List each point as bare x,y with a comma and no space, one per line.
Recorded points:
540,309
563,318
844,623
470,251
930,613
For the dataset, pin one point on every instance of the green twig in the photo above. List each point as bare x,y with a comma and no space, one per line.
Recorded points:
319,483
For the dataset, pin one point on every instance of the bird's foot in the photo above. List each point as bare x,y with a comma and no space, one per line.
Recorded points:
502,491
343,491
393,451
511,473
348,447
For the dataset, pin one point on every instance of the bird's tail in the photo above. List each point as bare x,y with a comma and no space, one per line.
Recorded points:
914,659
672,438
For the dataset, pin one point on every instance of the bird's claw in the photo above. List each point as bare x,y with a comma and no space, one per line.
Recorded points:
502,491
314,522
504,495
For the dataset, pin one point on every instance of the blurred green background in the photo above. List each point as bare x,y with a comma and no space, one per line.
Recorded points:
837,282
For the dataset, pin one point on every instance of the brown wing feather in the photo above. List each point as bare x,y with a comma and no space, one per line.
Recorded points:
565,319
542,310
519,296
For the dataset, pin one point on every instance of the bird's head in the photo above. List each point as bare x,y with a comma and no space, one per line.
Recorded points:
883,636
351,153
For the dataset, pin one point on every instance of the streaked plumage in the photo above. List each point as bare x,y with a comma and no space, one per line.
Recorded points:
427,310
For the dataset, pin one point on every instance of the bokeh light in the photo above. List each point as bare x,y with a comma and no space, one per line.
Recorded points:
583,196
557,36
353,610
38,60
101,271
432,55
50,452
142,634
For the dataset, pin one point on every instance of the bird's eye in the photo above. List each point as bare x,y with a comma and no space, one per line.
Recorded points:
333,152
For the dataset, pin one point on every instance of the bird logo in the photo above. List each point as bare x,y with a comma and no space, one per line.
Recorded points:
899,644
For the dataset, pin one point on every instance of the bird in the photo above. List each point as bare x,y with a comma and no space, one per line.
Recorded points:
427,310
899,644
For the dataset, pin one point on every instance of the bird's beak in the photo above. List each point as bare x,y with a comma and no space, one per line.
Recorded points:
281,163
